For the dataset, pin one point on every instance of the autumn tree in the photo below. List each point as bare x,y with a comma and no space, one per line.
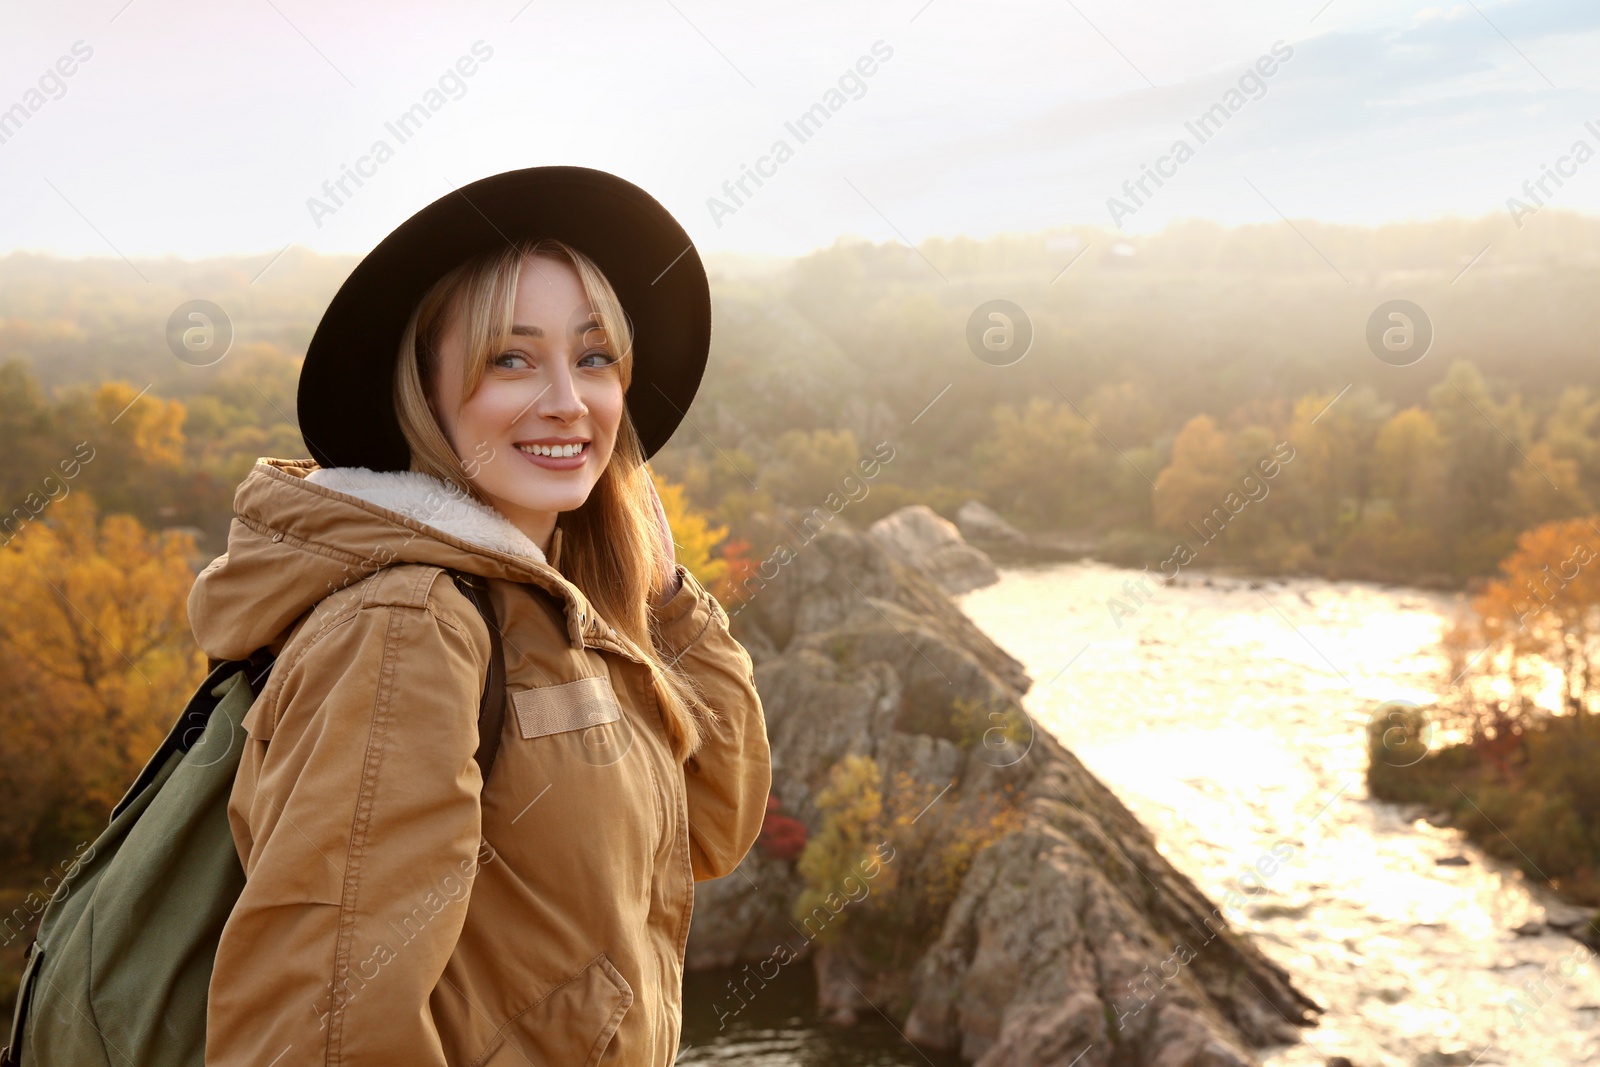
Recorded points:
889,857
1482,436
1042,463
1197,478
1124,412
811,464
244,415
1537,624
695,541
1334,437
29,434
838,856
1572,432
96,649
137,441
1546,488
1409,465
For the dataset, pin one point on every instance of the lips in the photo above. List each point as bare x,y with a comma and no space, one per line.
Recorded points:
555,454
554,449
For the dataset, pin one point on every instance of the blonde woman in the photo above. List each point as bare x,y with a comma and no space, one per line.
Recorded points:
480,399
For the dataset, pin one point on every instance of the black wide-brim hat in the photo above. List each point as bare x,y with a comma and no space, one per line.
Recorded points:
345,401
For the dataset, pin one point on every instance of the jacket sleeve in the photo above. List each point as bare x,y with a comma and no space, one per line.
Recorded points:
356,814
728,779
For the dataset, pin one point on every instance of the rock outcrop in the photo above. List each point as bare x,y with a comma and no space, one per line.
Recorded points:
988,531
1025,915
978,522
918,537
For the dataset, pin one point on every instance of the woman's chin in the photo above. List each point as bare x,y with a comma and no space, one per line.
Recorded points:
545,498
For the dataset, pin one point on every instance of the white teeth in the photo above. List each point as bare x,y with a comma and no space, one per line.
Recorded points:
557,451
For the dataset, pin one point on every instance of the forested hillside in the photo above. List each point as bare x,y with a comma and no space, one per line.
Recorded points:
1161,373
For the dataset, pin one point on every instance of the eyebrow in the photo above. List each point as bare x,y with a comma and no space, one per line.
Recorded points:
521,330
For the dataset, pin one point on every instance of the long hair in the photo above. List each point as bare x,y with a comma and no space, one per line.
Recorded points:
610,549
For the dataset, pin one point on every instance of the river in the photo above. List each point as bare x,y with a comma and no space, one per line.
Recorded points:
1229,716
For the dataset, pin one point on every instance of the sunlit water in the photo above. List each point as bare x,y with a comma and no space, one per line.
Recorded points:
1232,720
1228,717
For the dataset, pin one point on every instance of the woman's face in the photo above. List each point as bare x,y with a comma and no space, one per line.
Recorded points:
538,430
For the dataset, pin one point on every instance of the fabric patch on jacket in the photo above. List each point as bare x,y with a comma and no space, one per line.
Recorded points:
575,705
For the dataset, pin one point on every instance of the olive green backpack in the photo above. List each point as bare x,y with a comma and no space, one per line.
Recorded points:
120,970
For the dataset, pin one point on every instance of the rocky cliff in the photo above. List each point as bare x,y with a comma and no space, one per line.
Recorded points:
964,873
918,537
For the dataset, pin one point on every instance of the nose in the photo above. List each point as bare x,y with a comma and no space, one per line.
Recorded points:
560,401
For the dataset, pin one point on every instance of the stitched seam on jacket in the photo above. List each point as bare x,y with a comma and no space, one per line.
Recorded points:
582,702
687,645
687,865
280,674
302,545
423,596
680,842
608,1032
316,548
491,1047
346,615
661,799
381,719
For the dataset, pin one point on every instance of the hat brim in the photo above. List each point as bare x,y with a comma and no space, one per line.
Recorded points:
345,399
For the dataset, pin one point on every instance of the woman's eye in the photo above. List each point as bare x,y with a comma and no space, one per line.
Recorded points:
510,360
605,359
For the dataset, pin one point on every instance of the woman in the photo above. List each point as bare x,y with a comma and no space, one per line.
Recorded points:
481,401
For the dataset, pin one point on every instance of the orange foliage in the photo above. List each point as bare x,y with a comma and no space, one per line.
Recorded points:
1197,478
95,646
150,427
736,551
1540,619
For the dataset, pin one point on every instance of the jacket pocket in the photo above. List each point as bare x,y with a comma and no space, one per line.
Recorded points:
572,1024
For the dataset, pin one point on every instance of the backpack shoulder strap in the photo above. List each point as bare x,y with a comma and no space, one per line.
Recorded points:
492,707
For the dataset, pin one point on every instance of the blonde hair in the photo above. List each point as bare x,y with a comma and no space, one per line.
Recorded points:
610,547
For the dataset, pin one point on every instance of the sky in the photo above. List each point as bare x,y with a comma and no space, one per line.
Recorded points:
199,129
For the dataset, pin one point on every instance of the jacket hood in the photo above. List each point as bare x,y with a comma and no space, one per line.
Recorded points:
302,532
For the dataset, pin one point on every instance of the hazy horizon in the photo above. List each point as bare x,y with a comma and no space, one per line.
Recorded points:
734,263
197,132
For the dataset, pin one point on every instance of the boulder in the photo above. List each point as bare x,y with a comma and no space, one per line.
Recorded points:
918,537
980,523
1065,937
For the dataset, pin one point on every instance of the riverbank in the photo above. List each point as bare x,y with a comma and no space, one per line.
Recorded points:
1230,716
1149,549
1530,797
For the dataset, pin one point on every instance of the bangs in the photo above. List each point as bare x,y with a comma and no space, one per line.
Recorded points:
485,295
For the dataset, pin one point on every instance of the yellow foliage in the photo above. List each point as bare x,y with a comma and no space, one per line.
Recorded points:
694,539
150,426
1197,478
1000,729
1547,487
939,836
1040,445
809,465
916,839
852,828
96,647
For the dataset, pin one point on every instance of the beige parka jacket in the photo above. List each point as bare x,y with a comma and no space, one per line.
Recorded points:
397,910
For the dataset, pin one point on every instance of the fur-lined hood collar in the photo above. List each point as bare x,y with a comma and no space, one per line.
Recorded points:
431,502
303,532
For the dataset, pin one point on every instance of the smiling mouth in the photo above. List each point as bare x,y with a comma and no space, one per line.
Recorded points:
555,451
